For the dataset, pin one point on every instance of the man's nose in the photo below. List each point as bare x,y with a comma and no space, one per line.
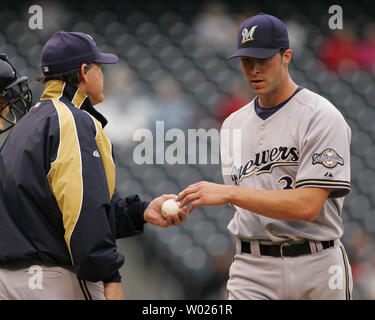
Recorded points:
254,67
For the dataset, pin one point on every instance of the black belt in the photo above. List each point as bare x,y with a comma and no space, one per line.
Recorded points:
285,249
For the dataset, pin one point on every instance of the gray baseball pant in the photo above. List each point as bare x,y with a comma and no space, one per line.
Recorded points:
44,281
322,275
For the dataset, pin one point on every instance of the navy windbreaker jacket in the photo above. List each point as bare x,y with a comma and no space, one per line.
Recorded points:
58,201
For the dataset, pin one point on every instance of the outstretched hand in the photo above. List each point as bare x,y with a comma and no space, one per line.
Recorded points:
204,194
154,216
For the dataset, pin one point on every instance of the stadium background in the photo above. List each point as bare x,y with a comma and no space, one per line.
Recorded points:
173,67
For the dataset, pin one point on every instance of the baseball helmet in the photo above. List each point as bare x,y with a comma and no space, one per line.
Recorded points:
15,94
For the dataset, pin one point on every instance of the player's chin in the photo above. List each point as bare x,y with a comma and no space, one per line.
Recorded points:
258,88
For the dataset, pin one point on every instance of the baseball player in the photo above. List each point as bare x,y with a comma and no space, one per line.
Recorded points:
286,180
62,213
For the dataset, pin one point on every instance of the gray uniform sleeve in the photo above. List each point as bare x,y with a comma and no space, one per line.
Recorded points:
325,152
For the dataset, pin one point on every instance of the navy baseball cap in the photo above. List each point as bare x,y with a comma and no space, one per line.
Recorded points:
66,51
261,36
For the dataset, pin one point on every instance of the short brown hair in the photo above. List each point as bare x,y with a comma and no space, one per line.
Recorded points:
282,51
71,77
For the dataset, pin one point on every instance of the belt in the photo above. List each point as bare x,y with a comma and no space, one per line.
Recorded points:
285,249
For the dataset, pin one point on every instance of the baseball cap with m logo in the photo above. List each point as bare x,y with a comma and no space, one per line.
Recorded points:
261,36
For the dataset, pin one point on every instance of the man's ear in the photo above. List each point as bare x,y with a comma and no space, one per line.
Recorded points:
83,72
287,56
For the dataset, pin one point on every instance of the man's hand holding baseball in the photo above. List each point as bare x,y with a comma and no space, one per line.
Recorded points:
153,213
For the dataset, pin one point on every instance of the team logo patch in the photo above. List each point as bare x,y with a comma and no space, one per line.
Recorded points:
96,154
248,35
328,158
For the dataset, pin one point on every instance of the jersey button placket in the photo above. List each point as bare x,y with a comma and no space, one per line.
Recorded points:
262,129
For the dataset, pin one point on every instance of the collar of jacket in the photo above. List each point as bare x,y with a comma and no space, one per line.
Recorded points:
55,89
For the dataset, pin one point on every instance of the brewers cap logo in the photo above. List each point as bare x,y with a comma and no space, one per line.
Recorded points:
328,158
248,35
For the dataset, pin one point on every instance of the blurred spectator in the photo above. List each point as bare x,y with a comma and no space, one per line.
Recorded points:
366,49
216,286
171,106
53,19
297,36
338,51
366,283
239,97
361,252
215,28
126,107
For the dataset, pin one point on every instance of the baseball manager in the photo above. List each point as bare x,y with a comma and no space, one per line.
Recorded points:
58,234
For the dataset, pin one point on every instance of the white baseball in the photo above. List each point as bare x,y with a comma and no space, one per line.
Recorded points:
170,207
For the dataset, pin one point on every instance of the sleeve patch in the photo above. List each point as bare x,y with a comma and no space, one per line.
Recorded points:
328,158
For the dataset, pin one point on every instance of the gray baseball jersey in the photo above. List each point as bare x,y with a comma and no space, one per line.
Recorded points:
306,143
